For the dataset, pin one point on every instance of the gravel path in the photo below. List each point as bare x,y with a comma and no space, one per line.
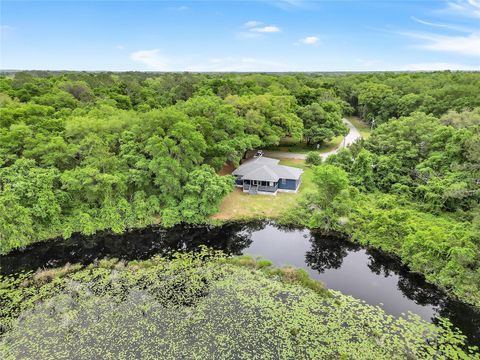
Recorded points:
352,136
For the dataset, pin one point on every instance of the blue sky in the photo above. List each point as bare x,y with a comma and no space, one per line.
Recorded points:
290,35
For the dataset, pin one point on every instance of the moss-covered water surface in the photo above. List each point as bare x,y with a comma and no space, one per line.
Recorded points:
200,306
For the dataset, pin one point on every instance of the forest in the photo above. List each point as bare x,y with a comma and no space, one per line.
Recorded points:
83,152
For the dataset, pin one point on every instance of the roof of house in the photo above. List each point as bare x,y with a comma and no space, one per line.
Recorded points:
266,169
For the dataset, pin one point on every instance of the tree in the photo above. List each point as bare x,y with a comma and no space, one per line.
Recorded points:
330,182
270,117
313,158
376,101
79,90
327,208
16,224
203,192
362,171
321,122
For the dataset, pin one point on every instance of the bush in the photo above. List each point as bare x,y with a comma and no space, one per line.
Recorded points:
313,158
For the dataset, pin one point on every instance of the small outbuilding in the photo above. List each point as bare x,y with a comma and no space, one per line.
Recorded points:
263,175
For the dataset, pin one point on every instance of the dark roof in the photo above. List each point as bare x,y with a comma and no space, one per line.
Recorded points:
266,169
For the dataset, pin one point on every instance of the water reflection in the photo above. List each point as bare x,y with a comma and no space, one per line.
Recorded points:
327,252
138,244
367,274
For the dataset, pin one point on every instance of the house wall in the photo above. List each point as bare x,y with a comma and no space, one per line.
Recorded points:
289,185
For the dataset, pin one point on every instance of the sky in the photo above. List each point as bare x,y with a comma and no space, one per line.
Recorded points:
262,35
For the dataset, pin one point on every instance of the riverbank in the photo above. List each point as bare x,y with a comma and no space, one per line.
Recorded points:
193,306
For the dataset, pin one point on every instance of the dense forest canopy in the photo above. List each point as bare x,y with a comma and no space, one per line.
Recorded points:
80,152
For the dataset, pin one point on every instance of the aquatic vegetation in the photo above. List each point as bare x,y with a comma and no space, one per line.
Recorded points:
204,305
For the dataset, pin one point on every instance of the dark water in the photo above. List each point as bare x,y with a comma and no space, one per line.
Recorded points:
371,275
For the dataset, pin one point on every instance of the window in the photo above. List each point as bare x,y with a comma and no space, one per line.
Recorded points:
270,183
284,181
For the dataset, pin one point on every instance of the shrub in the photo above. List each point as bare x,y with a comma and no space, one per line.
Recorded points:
313,158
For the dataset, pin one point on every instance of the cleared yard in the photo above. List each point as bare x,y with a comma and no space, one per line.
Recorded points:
240,206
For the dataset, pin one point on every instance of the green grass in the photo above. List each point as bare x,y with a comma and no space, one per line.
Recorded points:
300,147
240,206
362,126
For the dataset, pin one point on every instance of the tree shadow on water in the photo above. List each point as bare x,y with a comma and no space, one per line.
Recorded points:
327,252
138,244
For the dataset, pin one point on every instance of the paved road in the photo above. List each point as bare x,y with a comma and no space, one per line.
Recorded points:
352,136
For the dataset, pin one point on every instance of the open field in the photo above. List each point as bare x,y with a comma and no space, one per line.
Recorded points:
240,206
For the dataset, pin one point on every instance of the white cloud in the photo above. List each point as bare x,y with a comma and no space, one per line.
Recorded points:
5,29
310,40
439,66
151,58
231,64
252,23
464,45
120,47
179,8
469,8
254,30
379,65
266,29
444,26
287,4
155,61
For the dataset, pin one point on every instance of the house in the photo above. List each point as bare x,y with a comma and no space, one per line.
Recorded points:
263,175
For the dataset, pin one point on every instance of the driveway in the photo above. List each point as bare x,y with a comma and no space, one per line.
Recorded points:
352,136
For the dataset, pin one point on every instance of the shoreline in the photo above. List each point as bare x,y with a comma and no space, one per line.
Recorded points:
277,221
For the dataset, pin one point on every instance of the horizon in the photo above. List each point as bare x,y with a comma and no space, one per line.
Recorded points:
291,36
5,71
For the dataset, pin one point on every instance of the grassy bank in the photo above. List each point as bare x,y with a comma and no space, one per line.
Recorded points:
199,306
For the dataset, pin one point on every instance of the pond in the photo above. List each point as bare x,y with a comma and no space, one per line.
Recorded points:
366,274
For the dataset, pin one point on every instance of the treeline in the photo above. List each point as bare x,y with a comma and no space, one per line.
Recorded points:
89,151
382,96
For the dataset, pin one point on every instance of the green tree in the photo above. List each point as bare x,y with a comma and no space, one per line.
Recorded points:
203,192
313,158
321,122
330,182
362,171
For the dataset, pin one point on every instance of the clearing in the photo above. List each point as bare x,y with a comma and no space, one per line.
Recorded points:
241,206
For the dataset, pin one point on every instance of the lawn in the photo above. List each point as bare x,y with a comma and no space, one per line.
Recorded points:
361,125
240,206
294,146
